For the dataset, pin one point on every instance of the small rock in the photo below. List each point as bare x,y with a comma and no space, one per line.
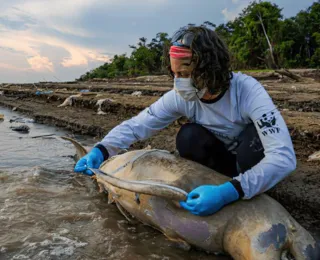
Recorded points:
22,120
64,231
21,128
14,109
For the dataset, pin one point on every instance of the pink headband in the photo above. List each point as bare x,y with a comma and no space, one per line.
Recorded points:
180,52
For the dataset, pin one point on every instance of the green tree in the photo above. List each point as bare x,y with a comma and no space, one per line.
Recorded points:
209,24
253,33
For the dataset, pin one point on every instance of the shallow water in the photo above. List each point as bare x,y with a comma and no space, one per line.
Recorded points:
48,212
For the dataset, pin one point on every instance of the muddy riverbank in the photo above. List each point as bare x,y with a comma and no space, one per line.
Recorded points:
299,104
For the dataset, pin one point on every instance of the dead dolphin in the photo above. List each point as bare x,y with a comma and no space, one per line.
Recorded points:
256,229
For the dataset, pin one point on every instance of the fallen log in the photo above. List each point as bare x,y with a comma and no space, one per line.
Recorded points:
289,74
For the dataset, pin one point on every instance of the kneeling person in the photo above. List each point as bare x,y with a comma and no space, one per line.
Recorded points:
235,128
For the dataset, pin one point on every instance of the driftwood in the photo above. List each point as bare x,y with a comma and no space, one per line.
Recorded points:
45,135
293,76
289,74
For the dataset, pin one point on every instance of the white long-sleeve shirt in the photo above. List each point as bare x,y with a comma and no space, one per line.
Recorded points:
246,101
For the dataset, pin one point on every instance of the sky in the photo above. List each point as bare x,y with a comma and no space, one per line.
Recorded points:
59,40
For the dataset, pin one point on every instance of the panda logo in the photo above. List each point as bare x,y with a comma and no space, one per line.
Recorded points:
267,120
149,111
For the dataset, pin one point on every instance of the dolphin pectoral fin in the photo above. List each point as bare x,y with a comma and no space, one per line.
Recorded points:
183,245
178,242
126,214
101,188
111,193
110,198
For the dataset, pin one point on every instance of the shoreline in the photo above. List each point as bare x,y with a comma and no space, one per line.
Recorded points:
299,104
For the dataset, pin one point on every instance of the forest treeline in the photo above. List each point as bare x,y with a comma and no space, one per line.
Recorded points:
259,38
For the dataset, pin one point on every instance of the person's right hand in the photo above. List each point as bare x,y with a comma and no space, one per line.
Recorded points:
92,160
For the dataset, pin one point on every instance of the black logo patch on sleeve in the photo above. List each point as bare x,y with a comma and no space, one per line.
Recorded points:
268,124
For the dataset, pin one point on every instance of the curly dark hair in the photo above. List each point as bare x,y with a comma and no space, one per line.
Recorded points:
211,59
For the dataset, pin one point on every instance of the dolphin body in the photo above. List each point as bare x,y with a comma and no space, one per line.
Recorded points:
146,185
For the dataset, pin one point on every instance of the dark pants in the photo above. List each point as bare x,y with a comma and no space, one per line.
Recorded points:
196,143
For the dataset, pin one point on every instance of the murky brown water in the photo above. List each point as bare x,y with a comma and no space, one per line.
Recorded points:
48,212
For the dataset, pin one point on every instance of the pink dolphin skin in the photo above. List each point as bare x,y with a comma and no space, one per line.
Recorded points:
256,229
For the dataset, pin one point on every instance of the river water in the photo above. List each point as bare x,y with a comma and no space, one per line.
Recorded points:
48,212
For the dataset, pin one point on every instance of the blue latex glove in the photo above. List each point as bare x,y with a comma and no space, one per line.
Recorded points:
208,199
92,160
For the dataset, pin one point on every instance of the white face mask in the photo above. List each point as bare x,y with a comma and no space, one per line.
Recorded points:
184,87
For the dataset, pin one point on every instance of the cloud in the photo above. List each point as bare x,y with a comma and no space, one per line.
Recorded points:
56,8
231,14
11,67
16,20
29,44
78,58
11,50
39,63
12,24
29,26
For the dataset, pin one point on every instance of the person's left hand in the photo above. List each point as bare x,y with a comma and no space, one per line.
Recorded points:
208,199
